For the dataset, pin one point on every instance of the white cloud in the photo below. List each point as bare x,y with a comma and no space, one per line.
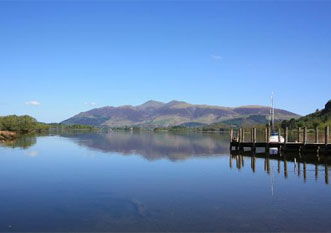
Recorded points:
90,104
216,57
33,103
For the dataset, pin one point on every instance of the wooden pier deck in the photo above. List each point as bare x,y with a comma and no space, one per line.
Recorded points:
238,142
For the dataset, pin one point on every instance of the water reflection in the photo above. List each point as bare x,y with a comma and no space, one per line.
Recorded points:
154,146
23,142
298,162
63,190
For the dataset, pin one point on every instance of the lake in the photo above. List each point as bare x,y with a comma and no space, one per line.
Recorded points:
122,181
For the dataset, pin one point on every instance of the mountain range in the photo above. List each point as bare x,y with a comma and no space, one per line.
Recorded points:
159,114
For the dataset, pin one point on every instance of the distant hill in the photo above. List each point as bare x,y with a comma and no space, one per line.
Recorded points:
247,121
319,118
156,114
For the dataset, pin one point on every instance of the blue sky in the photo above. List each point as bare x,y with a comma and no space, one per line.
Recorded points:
60,58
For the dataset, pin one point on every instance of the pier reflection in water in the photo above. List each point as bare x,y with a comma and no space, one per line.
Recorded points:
298,163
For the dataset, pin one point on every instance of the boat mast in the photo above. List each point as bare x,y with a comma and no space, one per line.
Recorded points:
273,112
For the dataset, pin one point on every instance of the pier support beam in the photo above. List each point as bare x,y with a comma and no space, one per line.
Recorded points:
299,129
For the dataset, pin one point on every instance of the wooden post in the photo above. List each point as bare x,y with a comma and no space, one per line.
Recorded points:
239,137
266,135
231,135
316,134
251,135
299,134
279,134
304,135
326,135
286,135
254,135
243,134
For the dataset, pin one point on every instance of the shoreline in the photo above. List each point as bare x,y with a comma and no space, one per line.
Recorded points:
7,135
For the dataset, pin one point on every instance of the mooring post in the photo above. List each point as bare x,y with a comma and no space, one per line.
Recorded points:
299,134
286,135
243,134
316,134
304,135
231,135
326,135
266,134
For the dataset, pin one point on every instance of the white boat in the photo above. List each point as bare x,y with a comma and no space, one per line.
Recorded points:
274,137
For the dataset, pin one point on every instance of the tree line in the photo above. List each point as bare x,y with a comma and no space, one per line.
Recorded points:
22,124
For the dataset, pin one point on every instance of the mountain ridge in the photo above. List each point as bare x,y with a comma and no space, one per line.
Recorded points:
155,113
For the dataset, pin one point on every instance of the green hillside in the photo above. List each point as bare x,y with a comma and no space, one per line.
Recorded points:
320,118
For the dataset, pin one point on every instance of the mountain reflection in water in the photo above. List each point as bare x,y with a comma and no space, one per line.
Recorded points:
156,145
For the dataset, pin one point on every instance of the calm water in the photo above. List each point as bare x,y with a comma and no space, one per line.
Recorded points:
154,182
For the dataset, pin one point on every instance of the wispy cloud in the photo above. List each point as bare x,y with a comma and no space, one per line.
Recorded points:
90,104
32,103
216,57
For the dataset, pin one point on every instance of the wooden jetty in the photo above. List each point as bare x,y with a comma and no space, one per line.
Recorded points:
300,145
